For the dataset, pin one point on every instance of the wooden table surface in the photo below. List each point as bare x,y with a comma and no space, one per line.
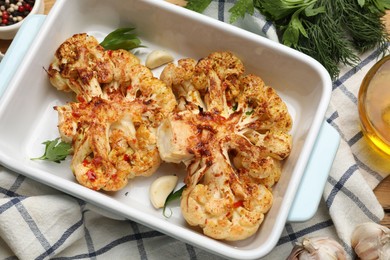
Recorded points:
382,191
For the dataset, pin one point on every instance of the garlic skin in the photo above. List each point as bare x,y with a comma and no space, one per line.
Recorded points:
318,248
371,241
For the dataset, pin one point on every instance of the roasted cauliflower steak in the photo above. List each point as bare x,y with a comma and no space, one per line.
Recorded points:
112,124
230,130
232,133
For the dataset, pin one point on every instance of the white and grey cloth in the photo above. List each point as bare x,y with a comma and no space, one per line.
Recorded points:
38,222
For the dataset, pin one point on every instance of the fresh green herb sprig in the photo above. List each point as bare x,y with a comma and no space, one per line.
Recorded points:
241,8
55,151
122,38
174,195
333,32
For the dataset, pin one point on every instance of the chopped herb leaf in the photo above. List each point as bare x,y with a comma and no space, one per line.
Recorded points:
55,151
122,38
248,113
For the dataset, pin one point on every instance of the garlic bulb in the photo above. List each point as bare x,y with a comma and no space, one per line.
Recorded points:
371,241
318,248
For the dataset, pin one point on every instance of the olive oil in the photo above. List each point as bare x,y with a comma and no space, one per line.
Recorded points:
374,105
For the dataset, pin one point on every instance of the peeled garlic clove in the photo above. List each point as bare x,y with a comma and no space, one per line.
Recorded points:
317,248
161,188
371,241
157,58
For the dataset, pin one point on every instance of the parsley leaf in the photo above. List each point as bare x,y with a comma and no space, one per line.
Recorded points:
55,151
294,30
240,9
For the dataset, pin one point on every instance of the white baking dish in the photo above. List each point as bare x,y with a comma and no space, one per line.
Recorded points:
27,117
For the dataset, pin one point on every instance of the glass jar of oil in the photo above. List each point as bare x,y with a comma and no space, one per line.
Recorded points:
374,105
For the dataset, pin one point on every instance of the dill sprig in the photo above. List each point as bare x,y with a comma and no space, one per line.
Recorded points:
336,36
326,40
364,25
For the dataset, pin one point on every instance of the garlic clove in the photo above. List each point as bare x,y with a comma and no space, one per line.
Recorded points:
317,248
158,58
371,241
160,190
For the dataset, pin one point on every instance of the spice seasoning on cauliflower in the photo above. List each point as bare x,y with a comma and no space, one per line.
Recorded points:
113,125
232,132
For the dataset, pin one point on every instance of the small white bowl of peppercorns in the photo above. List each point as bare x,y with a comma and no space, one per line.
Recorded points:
13,13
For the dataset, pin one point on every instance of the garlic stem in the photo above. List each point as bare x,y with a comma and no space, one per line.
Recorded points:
310,247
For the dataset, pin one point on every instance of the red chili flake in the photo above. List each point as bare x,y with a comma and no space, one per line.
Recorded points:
239,203
109,52
76,114
129,87
97,160
91,175
81,99
126,157
85,162
83,105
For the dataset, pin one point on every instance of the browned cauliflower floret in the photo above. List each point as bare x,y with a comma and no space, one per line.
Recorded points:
113,125
232,132
112,143
81,65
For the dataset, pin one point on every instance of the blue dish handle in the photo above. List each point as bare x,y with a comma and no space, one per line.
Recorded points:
18,48
313,181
